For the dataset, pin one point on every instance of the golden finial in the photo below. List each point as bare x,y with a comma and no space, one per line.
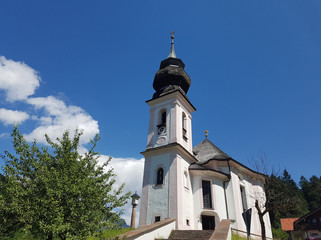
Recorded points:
206,133
172,34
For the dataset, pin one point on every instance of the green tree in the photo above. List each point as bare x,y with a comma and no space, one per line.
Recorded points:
56,192
298,209
312,191
277,197
280,234
301,206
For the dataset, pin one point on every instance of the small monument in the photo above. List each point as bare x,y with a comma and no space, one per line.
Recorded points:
135,198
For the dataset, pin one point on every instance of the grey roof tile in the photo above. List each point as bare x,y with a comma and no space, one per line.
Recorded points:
207,150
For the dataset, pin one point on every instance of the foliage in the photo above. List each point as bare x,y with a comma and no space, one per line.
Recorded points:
56,192
19,235
280,195
283,198
278,233
299,206
312,191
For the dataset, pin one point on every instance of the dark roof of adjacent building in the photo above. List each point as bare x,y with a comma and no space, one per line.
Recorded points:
207,150
316,214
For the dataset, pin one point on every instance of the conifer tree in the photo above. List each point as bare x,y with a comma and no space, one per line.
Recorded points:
298,209
312,191
278,193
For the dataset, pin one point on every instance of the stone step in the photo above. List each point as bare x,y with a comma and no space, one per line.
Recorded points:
190,234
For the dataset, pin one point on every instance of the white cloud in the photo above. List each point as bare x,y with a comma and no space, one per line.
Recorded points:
4,135
19,82
58,117
17,79
53,117
129,171
12,116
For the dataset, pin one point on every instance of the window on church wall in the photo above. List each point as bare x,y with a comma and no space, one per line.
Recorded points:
160,176
207,194
164,117
186,180
162,122
184,125
243,198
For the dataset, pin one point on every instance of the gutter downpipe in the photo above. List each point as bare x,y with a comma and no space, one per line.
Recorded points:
229,170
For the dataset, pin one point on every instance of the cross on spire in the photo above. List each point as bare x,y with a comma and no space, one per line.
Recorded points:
172,51
172,36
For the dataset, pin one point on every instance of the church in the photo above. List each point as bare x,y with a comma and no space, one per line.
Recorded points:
197,186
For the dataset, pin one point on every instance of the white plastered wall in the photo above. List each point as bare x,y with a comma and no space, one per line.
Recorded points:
174,104
177,124
154,120
160,233
158,197
253,189
185,196
218,198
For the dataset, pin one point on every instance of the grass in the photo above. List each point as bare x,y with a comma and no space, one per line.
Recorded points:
237,237
109,233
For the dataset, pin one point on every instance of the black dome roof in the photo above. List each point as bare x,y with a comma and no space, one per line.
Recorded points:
171,76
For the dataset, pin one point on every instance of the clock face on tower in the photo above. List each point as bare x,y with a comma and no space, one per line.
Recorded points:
162,130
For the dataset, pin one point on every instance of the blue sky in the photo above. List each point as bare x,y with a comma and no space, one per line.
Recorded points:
254,65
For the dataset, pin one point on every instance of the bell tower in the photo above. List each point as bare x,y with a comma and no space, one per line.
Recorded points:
170,113
169,151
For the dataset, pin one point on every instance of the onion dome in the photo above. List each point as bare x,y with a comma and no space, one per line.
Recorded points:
171,75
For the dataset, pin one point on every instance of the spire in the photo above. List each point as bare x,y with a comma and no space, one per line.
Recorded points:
172,51
171,75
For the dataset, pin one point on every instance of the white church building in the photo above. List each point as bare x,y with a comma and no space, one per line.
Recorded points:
197,186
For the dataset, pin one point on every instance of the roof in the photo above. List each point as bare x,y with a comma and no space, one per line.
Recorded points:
196,167
287,223
168,146
313,214
207,150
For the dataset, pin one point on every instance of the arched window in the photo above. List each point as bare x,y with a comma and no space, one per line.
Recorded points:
163,117
207,194
243,197
184,125
160,176
186,179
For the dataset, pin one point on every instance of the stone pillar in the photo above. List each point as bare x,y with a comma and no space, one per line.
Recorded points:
132,223
135,198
